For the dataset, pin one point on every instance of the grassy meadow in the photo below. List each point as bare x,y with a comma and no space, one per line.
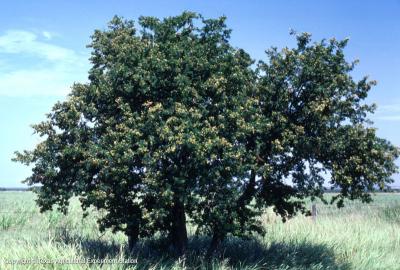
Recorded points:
358,236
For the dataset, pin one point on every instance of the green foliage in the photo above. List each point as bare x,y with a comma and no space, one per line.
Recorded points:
176,122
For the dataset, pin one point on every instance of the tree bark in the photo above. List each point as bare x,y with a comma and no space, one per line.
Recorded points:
133,235
246,197
214,245
178,232
249,191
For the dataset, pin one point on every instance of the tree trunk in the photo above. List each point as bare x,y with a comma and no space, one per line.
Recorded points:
178,232
246,198
133,235
214,245
249,191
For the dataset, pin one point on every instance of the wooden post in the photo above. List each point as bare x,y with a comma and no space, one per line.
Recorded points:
314,212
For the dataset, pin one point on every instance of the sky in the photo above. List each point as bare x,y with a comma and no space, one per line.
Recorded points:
43,52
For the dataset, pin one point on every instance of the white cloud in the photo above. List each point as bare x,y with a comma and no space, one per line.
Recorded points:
24,42
389,118
388,112
44,82
389,108
47,35
52,72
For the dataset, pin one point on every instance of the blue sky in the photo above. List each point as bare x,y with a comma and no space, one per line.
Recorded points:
42,51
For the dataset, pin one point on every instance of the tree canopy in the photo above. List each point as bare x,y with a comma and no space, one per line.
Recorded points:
175,123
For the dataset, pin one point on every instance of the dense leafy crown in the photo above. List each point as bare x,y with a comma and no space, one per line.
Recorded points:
174,115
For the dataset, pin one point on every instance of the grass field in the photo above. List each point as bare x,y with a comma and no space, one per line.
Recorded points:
358,236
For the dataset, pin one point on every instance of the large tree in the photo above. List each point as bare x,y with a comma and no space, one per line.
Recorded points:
175,122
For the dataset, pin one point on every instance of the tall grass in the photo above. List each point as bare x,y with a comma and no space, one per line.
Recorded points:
358,236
